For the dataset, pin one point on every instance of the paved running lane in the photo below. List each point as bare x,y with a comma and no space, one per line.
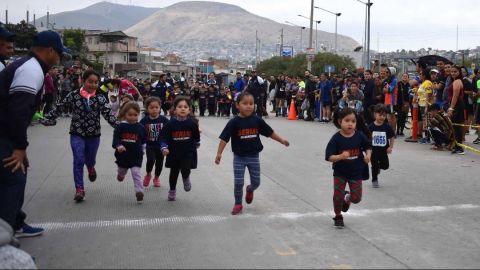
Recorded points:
425,215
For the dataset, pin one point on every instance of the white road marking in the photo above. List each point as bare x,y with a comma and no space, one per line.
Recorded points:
149,222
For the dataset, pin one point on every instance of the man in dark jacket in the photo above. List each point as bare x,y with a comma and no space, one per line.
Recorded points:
310,88
255,87
21,85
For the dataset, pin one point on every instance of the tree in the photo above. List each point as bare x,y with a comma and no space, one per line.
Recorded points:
25,34
297,65
74,39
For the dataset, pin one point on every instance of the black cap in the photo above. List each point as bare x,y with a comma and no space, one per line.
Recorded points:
5,34
50,39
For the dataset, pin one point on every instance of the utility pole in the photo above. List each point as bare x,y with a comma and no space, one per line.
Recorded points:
256,48
368,38
281,43
309,63
28,17
457,37
6,16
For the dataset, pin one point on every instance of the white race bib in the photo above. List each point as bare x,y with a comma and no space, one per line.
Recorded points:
379,138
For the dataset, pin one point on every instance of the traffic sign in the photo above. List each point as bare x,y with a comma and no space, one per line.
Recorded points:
329,69
310,53
287,51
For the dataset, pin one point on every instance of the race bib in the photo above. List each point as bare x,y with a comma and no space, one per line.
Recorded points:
379,138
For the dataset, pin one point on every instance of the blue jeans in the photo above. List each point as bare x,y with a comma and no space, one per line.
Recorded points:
239,165
12,189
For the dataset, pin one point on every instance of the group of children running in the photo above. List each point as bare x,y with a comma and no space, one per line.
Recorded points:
350,150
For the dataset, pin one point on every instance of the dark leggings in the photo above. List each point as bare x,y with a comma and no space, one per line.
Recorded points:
458,118
154,157
379,162
339,185
183,166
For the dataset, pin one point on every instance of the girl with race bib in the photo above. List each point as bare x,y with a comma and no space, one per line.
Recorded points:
383,139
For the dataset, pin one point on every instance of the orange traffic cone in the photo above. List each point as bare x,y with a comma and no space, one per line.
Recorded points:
292,113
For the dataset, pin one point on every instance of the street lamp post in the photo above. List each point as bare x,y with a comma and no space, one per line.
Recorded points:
336,21
309,63
316,29
301,33
368,4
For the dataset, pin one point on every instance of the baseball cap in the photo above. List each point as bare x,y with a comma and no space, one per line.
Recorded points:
50,39
5,34
434,70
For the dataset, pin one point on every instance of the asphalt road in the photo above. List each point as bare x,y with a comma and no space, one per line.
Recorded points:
425,215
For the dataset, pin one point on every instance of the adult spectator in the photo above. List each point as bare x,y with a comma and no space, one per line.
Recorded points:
6,46
326,94
403,103
20,90
369,97
126,87
169,79
310,88
160,90
49,90
182,81
255,87
456,106
239,84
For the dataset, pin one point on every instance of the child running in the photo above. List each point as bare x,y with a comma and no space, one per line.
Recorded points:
87,106
345,150
129,139
382,142
180,140
153,123
245,130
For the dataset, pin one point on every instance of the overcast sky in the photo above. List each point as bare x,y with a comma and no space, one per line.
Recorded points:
396,24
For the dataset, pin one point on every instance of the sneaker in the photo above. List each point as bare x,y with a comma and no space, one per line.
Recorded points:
187,185
375,184
171,195
345,205
477,141
424,141
156,181
458,152
120,178
92,174
79,196
237,209
249,195
139,196
28,231
146,180
338,222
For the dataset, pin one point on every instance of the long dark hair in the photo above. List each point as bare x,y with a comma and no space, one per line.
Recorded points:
339,114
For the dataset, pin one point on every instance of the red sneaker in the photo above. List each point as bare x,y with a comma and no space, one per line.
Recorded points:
249,195
237,209
156,181
146,180
92,174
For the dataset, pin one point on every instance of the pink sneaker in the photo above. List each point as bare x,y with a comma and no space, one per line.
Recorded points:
249,195
156,181
237,209
146,180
